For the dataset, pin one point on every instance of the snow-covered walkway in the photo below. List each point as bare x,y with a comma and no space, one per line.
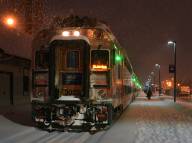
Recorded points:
158,120
162,122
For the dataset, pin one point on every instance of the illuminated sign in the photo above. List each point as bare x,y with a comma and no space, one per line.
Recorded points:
101,67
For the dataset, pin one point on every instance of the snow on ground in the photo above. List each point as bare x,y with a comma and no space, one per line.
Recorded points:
158,120
162,124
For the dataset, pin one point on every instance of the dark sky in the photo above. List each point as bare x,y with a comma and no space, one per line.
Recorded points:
143,27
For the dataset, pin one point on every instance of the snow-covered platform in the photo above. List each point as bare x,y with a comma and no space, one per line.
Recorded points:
158,120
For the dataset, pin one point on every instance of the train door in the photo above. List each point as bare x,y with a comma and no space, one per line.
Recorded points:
71,68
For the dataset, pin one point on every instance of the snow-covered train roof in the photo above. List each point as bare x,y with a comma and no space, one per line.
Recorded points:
76,21
71,22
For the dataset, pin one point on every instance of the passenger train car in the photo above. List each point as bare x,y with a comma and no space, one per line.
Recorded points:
81,75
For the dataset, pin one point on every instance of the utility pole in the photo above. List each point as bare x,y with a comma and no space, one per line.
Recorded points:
172,44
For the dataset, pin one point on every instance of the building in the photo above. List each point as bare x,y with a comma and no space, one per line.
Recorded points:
15,48
14,80
15,55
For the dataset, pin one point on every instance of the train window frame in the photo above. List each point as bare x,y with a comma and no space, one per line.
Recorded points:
38,59
109,56
66,59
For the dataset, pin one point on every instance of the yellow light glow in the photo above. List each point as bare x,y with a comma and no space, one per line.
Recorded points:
169,84
102,67
76,33
65,33
9,21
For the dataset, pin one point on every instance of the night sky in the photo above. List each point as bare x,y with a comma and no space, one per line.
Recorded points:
143,27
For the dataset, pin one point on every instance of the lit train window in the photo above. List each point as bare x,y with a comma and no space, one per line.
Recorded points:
100,57
72,59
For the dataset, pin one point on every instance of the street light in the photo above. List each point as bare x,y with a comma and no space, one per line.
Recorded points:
158,67
9,21
172,44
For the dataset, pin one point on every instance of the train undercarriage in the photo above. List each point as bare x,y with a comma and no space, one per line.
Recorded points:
72,116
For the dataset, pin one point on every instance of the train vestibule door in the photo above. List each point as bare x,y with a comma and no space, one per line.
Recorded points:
71,66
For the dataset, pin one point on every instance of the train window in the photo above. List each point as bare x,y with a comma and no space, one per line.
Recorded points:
100,57
42,59
72,59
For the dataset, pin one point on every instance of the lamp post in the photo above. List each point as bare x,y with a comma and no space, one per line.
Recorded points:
158,67
149,79
153,75
172,44
153,81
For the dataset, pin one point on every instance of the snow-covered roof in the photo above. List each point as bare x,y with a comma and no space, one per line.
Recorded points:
60,37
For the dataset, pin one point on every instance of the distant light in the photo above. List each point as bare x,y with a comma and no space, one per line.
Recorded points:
76,33
118,58
115,46
169,83
157,65
65,33
133,79
171,43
